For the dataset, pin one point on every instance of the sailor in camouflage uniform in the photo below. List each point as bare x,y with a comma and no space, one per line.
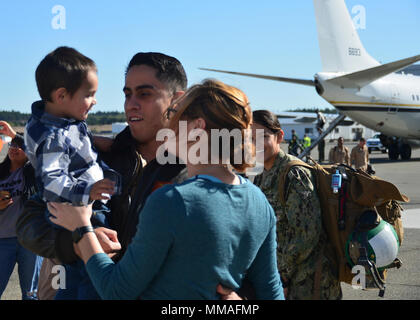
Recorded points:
300,235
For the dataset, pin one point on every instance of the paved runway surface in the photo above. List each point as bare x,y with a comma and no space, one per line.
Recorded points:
402,284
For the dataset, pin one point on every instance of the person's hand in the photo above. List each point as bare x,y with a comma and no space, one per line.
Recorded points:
102,189
108,240
7,129
4,203
226,293
68,216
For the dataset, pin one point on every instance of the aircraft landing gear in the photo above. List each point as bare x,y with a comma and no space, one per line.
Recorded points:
397,148
405,151
393,152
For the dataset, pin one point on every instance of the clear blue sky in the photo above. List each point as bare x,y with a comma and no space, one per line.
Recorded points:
267,37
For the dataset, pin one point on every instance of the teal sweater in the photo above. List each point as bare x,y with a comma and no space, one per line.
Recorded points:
191,237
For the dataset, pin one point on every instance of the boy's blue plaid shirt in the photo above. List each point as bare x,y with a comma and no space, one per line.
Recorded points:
65,163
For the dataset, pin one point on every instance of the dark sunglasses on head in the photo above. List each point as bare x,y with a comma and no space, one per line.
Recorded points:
14,145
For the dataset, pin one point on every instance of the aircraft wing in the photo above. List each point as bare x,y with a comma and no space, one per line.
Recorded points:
361,78
292,80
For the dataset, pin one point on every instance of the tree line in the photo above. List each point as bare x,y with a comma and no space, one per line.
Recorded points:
16,118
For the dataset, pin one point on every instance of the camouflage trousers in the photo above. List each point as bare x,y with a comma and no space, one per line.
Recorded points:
330,288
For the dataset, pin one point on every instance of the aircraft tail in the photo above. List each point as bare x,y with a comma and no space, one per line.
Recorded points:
339,43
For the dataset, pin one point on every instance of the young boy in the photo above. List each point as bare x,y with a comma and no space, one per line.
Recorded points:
57,141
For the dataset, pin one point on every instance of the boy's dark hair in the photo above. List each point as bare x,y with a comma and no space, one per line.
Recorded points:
267,119
63,68
168,69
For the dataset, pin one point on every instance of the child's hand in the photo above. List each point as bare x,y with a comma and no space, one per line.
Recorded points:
5,202
102,190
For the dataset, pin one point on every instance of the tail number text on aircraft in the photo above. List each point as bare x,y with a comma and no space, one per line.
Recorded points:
354,52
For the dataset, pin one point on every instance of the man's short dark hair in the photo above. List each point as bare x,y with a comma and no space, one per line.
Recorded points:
168,69
62,68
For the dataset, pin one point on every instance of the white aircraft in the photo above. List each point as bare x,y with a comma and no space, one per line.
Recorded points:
370,93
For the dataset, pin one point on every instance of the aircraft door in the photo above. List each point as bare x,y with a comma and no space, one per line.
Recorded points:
394,95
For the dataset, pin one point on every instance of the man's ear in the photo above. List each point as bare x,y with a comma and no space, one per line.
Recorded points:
176,95
59,95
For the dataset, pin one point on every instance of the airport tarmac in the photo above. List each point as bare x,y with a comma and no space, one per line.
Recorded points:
402,284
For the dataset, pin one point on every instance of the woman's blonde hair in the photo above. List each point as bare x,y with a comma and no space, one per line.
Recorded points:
222,107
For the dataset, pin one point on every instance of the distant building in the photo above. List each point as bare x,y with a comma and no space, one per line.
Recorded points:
305,122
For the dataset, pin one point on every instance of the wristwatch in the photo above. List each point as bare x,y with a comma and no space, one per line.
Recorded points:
78,233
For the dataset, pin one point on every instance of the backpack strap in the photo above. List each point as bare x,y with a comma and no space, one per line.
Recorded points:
283,178
364,261
342,199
